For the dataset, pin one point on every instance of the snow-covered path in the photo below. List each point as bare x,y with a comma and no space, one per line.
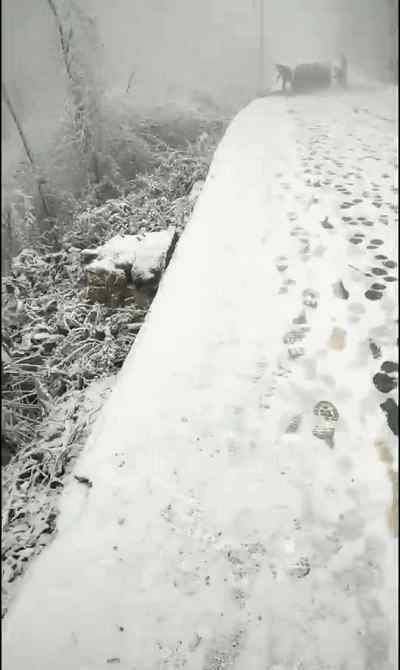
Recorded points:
243,513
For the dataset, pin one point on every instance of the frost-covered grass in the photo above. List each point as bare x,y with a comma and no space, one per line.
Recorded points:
157,152
56,348
43,315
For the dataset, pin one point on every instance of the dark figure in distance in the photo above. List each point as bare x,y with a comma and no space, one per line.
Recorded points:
341,71
285,75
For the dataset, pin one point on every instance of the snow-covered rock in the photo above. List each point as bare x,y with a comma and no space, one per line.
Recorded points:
127,262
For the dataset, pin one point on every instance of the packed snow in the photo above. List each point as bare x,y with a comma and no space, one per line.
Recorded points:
238,502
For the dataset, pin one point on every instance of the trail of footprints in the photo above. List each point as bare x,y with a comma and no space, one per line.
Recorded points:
337,165
345,173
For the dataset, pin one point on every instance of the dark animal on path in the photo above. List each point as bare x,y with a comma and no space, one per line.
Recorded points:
285,75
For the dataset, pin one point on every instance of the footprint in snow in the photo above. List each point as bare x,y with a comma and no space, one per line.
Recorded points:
296,231
294,424
375,243
375,349
372,294
285,286
388,263
300,569
295,352
357,238
339,290
386,380
326,418
326,224
281,263
310,298
301,319
391,410
375,291
295,335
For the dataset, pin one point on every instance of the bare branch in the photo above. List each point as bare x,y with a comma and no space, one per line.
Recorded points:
27,148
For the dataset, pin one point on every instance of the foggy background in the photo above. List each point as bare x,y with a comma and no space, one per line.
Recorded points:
177,46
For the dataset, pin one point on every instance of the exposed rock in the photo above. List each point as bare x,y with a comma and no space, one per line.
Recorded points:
106,283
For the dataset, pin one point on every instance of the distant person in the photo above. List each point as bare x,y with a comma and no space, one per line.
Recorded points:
340,71
285,75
